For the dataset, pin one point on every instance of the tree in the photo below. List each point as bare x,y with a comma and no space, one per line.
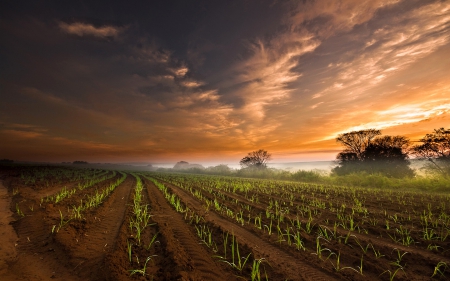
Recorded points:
355,142
255,159
435,148
365,151
388,155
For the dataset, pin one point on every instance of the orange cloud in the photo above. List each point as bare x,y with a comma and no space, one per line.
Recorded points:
83,29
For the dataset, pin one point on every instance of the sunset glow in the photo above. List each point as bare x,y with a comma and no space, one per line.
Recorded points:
208,81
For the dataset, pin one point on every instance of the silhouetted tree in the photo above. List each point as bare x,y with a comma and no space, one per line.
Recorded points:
355,142
255,159
388,155
364,151
435,148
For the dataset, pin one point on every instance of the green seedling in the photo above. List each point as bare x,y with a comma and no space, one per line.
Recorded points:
237,262
256,272
141,271
18,211
392,273
399,258
377,253
62,223
337,266
319,248
129,250
152,241
438,269
432,247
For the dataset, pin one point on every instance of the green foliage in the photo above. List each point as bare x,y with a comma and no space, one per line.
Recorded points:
307,176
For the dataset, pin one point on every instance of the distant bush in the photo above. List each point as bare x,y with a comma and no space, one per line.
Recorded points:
6,161
308,176
80,162
417,183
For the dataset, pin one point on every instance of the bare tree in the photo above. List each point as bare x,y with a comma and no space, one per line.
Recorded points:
256,159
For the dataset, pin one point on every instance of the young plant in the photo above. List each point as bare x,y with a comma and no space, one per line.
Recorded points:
399,258
152,241
62,223
237,262
319,248
18,211
298,242
438,269
256,272
142,271
392,273
338,267
129,250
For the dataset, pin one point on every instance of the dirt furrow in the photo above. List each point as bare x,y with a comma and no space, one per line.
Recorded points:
88,251
39,257
194,262
294,269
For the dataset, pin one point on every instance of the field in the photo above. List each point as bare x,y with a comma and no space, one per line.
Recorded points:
92,224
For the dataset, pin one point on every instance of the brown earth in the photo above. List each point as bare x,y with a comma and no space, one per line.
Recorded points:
40,245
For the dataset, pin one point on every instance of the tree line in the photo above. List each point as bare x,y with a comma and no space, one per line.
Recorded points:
371,152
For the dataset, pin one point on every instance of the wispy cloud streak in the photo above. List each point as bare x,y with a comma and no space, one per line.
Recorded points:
87,29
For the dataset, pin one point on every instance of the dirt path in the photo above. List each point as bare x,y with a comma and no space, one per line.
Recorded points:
289,265
8,236
194,261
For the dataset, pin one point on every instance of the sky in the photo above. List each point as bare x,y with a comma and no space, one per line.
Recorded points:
209,81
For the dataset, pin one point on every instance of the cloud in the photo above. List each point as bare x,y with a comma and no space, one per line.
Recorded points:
265,76
87,29
325,17
326,67
19,134
401,41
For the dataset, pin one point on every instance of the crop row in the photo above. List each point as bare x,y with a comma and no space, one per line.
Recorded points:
47,176
222,243
313,228
67,193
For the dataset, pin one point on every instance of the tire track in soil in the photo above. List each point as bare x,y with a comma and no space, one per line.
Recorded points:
89,253
293,268
194,262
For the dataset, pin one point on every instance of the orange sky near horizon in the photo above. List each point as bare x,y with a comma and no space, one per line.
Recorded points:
109,87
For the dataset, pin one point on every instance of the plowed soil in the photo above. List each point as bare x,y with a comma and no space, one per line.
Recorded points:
40,240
